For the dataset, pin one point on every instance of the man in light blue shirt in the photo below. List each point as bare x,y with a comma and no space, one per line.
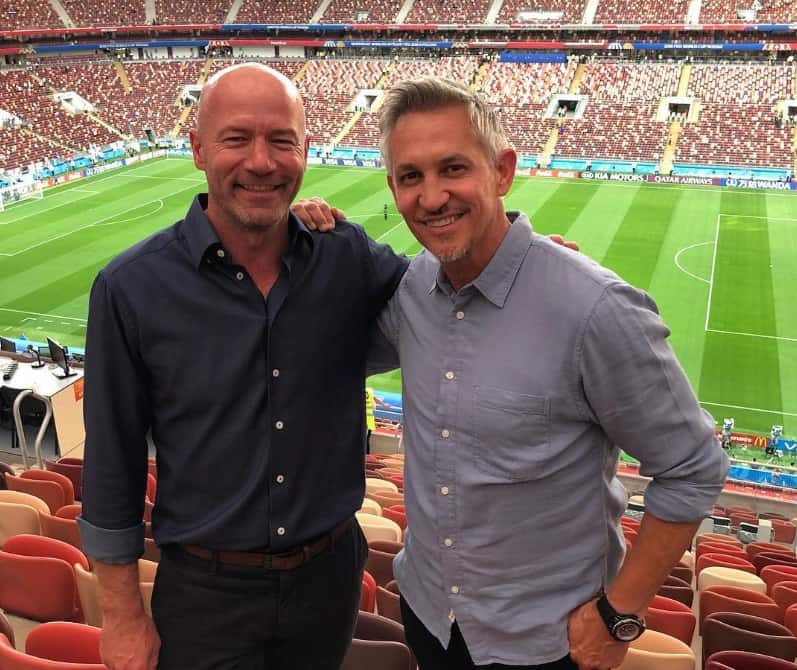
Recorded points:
525,368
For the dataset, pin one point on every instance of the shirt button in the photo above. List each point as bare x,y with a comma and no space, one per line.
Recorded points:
445,432
444,490
280,479
448,542
239,276
279,425
449,375
455,589
280,531
275,372
220,253
460,315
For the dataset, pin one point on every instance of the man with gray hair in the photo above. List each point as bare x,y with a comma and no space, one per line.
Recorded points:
525,369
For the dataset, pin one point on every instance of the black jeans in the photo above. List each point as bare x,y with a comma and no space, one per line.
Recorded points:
432,655
222,616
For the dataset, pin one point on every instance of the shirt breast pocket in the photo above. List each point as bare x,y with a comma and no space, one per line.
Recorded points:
512,432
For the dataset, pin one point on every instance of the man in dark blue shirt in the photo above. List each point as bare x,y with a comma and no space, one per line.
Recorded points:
206,334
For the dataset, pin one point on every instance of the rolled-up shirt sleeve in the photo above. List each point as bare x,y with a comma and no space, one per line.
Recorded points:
640,395
117,418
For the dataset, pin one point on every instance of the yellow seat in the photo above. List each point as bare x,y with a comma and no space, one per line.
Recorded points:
378,527
16,519
375,485
657,651
371,507
22,498
715,575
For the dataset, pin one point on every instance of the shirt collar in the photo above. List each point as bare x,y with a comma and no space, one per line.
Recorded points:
202,239
497,278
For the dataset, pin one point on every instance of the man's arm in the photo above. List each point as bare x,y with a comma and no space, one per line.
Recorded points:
129,639
657,547
114,479
638,393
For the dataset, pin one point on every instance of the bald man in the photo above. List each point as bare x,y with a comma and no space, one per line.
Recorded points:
205,336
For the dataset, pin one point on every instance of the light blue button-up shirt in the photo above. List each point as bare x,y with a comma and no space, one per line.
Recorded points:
518,390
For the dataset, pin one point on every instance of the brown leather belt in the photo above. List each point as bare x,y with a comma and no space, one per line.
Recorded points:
289,560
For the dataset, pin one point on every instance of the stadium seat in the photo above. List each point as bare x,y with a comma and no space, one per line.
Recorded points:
378,527
18,519
672,617
772,574
380,562
387,601
12,659
64,641
52,493
718,575
368,593
765,558
677,589
74,471
721,598
745,660
785,595
755,548
738,562
657,650
65,530
371,507
49,476
24,498
723,631
377,485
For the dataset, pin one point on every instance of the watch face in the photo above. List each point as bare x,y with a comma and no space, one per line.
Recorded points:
627,630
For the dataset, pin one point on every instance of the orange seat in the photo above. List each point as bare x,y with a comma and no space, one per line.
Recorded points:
722,598
11,659
719,548
65,530
772,574
65,641
783,531
671,617
785,595
368,593
52,493
724,561
755,548
386,498
716,537
58,478
70,511
152,487
790,619
388,601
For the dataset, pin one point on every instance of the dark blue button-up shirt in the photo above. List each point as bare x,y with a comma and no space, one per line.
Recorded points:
255,404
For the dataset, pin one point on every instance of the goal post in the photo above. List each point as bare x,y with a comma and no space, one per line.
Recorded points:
12,194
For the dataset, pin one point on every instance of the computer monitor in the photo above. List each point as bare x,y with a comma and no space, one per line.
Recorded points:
58,354
8,345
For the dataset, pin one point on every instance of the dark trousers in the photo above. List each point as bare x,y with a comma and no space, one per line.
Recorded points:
432,655
217,616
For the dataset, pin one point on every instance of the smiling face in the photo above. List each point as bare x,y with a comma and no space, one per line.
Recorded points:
448,189
250,141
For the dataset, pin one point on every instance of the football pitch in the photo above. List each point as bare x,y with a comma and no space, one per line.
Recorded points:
721,263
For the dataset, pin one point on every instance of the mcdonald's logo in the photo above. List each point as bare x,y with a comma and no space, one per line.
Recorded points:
760,441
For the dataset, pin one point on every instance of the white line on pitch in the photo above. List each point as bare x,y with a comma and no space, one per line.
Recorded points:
750,216
713,265
57,316
390,230
683,269
749,409
146,176
91,225
767,337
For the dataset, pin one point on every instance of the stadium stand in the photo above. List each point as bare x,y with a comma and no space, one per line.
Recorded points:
279,11
105,12
610,130
521,92
187,11
448,11
736,135
352,11
26,14
741,84
645,82
727,11
642,11
365,131
572,11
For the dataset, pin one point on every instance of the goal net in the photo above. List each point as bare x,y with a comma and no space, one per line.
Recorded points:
20,192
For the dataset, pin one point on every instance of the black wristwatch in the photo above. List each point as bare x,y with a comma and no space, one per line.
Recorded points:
622,627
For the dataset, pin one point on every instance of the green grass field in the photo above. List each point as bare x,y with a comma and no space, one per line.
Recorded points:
721,263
